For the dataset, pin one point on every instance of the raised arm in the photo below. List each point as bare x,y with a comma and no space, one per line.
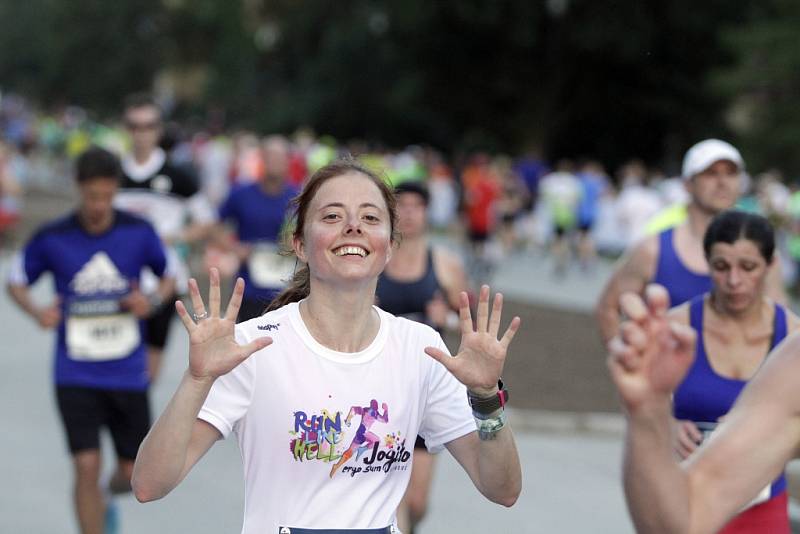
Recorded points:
648,360
632,274
489,458
175,443
178,439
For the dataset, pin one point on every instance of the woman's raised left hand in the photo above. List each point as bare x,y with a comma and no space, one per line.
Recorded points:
481,356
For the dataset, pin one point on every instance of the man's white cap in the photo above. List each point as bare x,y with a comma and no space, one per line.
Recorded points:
706,153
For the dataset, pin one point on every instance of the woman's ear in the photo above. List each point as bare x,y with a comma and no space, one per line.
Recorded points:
299,249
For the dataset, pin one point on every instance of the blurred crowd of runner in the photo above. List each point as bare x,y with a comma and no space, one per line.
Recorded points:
499,204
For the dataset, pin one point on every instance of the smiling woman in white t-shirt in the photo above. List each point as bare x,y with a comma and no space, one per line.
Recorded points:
327,412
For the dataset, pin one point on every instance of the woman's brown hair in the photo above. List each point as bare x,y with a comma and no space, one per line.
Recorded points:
300,284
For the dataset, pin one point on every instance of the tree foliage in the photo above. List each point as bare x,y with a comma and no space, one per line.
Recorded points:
611,79
763,85
86,52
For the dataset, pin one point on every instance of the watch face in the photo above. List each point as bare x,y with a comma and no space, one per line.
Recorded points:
487,428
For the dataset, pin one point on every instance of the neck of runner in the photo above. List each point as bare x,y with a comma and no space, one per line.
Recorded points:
272,185
96,226
142,155
411,247
343,324
757,311
698,220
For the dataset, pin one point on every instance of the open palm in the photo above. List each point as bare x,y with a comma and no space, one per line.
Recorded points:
478,364
213,350
649,357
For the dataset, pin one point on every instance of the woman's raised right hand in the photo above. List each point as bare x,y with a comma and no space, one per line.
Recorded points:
213,350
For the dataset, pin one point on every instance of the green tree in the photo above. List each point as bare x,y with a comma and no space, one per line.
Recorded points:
611,79
763,85
24,45
103,50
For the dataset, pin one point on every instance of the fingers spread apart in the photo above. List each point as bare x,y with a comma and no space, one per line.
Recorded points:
197,300
483,309
187,321
232,312
213,292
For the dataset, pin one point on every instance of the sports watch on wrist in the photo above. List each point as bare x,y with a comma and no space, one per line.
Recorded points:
489,405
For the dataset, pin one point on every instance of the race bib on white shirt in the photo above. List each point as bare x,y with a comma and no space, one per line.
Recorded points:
764,495
97,331
268,268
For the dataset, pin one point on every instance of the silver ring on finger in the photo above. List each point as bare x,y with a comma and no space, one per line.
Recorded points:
200,316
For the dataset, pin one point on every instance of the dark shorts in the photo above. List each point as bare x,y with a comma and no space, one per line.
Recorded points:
158,323
84,411
420,443
478,236
509,218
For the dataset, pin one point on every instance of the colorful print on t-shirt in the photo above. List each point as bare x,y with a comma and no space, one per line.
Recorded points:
357,448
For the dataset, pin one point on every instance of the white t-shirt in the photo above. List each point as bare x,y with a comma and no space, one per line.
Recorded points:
289,406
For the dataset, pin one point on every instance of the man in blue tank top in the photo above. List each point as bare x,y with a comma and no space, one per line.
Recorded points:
96,255
712,172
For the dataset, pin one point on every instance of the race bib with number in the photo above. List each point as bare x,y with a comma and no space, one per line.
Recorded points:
268,268
97,330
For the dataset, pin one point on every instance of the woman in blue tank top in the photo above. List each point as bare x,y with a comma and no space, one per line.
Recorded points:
737,327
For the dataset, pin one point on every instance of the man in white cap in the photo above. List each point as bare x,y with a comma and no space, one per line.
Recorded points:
712,174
